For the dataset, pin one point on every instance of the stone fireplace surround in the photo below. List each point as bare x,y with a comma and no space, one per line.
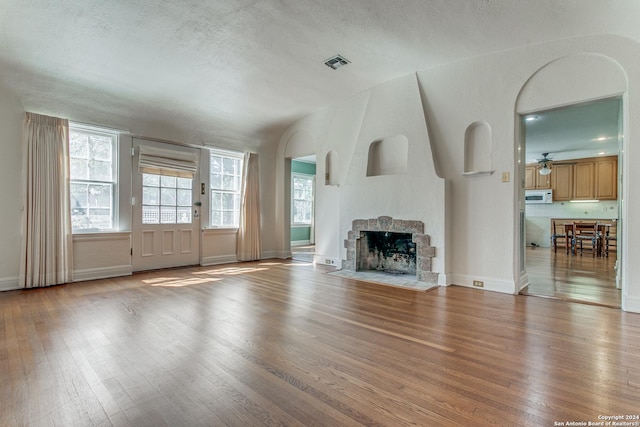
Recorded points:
424,250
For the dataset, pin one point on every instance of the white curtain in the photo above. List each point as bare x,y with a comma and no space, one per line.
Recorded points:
249,240
46,257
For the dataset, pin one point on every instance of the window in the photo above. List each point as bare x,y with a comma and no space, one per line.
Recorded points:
93,166
302,199
166,199
225,181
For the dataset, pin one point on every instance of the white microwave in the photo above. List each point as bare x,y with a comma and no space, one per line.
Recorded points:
538,196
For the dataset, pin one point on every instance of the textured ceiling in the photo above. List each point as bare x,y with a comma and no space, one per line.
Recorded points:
236,72
586,130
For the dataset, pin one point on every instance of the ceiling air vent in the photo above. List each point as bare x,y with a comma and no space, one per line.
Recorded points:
336,62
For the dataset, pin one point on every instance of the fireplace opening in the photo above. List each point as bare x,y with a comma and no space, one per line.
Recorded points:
412,254
390,252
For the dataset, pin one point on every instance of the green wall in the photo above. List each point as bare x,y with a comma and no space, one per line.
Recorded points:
303,167
300,233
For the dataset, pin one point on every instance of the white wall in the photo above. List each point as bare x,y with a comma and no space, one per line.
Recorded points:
348,128
101,255
481,218
483,211
538,217
11,120
395,108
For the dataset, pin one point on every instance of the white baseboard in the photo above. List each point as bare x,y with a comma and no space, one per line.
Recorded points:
102,273
9,284
490,283
229,259
326,260
220,259
524,281
631,304
277,254
442,280
270,255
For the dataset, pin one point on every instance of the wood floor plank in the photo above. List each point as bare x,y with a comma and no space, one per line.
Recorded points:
283,343
578,278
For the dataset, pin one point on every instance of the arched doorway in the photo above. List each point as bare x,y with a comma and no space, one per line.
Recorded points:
568,81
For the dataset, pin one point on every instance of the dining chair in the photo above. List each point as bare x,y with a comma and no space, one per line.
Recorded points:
610,241
586,232
558,233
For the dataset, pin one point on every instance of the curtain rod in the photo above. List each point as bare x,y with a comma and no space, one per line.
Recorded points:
183,144
98,127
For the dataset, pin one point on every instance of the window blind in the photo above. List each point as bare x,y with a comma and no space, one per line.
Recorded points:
159,161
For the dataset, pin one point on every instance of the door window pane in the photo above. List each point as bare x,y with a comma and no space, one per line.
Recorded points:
150,215
184,183
166,199
184,215
149,180
150,196
168,196
168,215
184,197
168,181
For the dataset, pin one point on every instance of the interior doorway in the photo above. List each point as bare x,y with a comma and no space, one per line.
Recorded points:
303,189
572,154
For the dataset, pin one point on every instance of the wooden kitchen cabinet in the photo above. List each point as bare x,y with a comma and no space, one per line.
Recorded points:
585,179
530,178
534,181
606,179
562,182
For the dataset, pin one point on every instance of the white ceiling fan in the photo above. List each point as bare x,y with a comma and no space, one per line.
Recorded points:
545,169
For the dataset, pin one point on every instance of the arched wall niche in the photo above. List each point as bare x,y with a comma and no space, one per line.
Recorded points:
477,148
388,156
331,168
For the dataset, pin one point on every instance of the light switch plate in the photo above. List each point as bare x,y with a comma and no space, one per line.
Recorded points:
505,177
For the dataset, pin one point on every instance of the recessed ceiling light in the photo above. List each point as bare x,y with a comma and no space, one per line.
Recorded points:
531,118
602,138
336,62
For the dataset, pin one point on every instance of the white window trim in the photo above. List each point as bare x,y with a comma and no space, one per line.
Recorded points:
313,199
115,156
225,153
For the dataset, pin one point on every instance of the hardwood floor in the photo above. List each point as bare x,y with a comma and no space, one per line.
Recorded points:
303,253
575,278
282,343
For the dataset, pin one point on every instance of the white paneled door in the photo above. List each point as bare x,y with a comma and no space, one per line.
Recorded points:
165,205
